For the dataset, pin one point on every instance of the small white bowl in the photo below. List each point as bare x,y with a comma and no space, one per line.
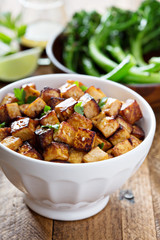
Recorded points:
75,191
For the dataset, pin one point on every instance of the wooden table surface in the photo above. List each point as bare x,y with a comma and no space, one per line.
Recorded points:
121,218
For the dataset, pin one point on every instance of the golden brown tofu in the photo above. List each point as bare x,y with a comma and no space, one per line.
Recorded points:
125,124
96,93
23,107
54,101
49,118
122,147
27,150
3,114
35,108
108,126
95,155
75,156
84,140
30,90
96,120
47,93
77,120
44,137
55,150
134,141
102,143
13,110
91,108
120,134
12,142
65,133
71,90
9,98
131,111
112,107
23,128
65,109
138,132
4,132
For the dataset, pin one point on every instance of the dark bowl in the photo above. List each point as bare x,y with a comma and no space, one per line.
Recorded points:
151,92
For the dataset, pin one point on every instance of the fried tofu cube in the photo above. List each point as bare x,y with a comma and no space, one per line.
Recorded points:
71,90
84,140
49,118
47,93
13,110
77,120
96,120
56,151
120,134
65,109
112,107
138,132
108,126
122,147
30,90
23,107
3,114
12,142
44,137
96,93
27,150
95,155
131,111
9,98
65,134
134,141
54,101
4,132
91,108
75,156
125,124
102,143
35,108
23,128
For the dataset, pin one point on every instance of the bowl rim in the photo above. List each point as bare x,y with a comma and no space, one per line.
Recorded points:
59,65
151,131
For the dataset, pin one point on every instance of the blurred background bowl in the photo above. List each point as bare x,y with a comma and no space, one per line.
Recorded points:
151,92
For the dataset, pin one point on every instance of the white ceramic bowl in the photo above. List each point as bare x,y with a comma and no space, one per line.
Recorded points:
75,191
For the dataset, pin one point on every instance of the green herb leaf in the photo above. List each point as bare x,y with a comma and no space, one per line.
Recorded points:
79,108
21,31
31,99
83,88
4,38
77,83
45,110
101,145
55,126
20,95
102,102
2,125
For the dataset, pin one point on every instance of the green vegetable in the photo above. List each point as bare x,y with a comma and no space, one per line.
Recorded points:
45,110
83,88
31,99
101,145
2,125
102,102
20,95
114,44
79,108
55,126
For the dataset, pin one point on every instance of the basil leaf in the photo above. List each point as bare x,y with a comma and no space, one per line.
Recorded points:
45,110
21,31
55,126
101,145
20,95
31,99
4,38
102,102
83,88
79,108
77,83
2,125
